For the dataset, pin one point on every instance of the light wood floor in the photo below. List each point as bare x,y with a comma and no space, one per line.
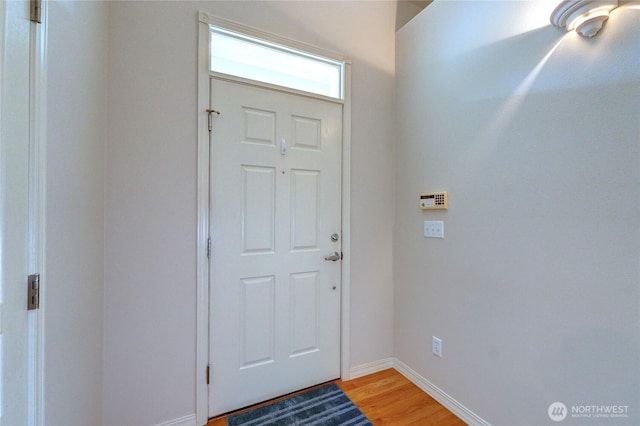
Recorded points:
388,398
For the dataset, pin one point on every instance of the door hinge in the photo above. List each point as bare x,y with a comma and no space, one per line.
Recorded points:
210,117
33,292
208,372
209,247
36,11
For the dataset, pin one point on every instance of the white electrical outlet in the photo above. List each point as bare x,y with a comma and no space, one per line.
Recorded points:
433,229
436,346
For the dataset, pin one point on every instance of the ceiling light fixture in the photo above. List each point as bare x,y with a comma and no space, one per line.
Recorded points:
584,16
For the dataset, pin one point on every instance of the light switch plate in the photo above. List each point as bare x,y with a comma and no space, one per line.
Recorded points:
436,346
433,229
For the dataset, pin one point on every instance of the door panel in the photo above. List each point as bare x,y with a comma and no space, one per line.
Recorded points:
305,206
258,209
304,313
275,202
257,321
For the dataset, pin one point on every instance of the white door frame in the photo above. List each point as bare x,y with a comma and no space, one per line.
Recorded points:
39,36
37,204
202,261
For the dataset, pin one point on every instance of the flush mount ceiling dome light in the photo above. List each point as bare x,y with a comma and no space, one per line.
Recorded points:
584,16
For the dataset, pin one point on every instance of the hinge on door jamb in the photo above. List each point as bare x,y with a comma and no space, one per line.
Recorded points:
35,9
208,371
209,247
33,292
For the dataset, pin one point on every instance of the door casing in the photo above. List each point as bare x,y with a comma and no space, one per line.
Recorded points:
36,200
203,203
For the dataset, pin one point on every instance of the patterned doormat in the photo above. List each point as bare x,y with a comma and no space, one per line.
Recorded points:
324,406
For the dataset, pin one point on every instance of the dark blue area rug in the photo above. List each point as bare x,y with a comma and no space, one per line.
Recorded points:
325,406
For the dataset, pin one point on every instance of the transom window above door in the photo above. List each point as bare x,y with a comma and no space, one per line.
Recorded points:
245,56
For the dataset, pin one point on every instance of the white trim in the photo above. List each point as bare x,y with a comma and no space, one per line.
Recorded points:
202,208
189,420
439,395
37,201
203,194
371,367
345,297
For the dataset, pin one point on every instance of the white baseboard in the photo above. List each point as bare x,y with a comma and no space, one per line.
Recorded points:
370,368
439,395
432,390
189,420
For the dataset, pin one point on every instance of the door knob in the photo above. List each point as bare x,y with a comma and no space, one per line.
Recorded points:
333,256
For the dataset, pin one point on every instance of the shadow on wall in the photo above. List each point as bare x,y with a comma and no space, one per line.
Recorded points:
406,10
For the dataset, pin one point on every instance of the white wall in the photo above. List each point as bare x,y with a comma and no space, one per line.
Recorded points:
535,289
75,142
150,285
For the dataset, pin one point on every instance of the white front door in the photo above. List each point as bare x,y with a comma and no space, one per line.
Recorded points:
275,217
14,211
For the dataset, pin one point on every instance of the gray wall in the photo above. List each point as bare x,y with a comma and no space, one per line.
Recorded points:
535,135
74,258
150,251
